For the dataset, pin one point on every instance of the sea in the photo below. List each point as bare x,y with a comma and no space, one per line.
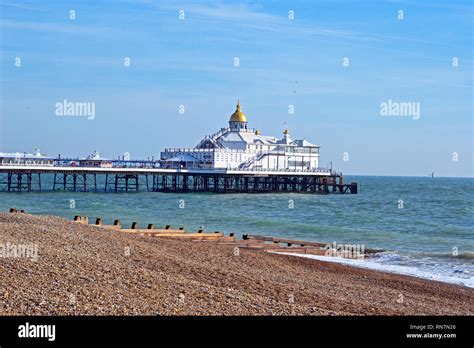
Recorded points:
424,225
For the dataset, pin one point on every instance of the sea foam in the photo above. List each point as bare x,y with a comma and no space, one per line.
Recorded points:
457,274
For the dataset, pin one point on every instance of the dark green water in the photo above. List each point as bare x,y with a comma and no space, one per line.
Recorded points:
435,219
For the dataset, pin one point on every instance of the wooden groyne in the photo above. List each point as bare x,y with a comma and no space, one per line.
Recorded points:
301,243
151,231
248,241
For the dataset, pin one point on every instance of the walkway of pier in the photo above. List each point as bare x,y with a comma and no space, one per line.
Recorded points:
96,179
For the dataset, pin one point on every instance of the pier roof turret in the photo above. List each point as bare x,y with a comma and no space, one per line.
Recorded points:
238,115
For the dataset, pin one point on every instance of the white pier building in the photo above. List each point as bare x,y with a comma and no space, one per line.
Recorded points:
239,147
26,159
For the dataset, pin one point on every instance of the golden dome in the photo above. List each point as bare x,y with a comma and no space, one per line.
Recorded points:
257,132
286,132
238,116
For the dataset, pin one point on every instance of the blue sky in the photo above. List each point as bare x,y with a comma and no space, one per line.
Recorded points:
283,62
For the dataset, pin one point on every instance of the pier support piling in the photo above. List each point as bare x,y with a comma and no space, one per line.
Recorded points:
84,180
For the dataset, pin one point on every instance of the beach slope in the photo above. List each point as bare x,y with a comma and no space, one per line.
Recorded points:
91,270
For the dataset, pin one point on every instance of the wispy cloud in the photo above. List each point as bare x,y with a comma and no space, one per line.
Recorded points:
51,27
446,4
305,31
230,12
252,18
20,6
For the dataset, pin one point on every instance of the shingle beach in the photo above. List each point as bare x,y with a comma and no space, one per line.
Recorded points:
88,270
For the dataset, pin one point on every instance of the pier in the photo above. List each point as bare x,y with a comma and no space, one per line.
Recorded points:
235,159
24,178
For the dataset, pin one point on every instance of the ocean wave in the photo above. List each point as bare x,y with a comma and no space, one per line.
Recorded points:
468,255
454,274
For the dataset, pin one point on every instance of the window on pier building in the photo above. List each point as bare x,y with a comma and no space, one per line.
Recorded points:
293,163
